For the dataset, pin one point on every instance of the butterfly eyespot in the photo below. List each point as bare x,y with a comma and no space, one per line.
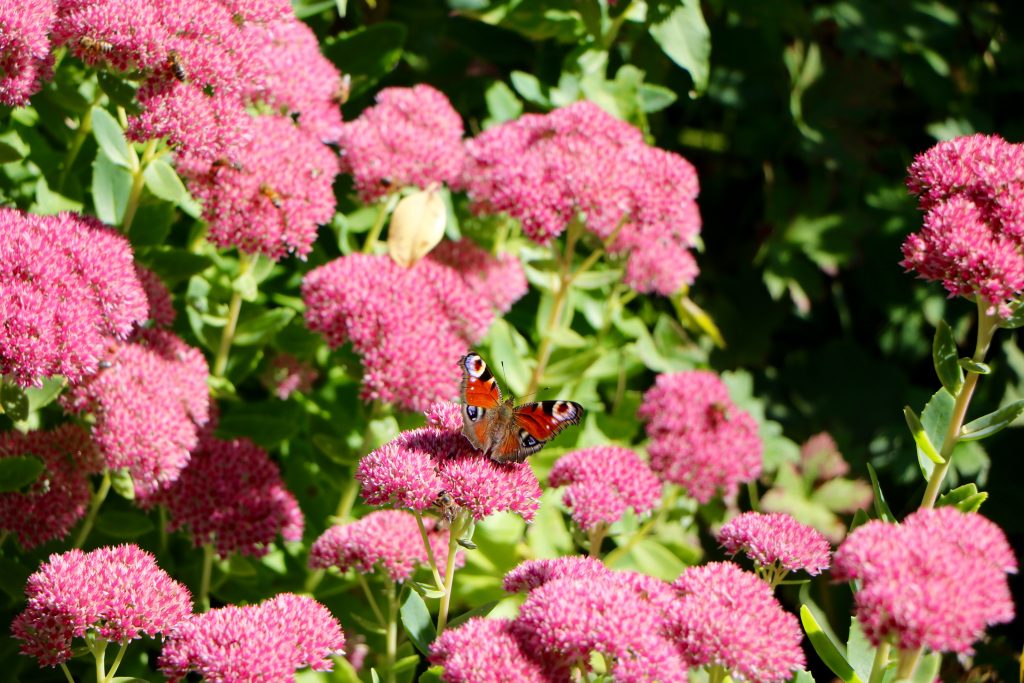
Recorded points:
528,440
473,413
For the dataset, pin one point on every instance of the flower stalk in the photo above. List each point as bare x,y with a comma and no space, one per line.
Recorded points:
459,526
203,599
98,496
220,363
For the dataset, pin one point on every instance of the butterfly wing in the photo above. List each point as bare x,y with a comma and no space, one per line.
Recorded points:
480,396
534,425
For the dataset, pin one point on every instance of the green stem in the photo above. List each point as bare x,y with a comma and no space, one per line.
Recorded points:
454,534
668,501
987,326
3,538
596,536
220,363
117,662
84,128
907,664
67,673
378,226
369,598
392,633
343,513
99,650
716,673
880,662
98,496
138,180
430,550
204,582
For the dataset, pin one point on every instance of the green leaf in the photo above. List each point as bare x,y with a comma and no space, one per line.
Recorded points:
978,368
122,483
406,663
118,524
802,677
860,653
432,675
881,507
683,35
860,517
39,397
994,422
111,186
261,328
651,557
19,472
417,622
9,153
110,137
49,202
928,668
14,401
655,97
163,182
481,611
945,356
924,444
427,590
531,89
827,650
502,104
966,498
367,54
935,418
120,91
174,265
507,349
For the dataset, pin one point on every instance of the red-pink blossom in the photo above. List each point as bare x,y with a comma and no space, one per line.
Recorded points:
411,471
270,199
821,458
260,11
699,438
161,306
67,285
410,325
125,35
254,644
389,540
25,59
411,137
972,191
295,78
147,405
500,279
602,482
728,617
484,651
287,374
937,580
231,495
579,162
776,539
535,573
119,593
54,502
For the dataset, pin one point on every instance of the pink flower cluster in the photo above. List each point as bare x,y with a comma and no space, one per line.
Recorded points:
265,181
161,306
937,580
386,539
972,192
67,286
602,482
410,325
231,495
547,170
265,642
646,629
25,59
412,470
119,593
57,499
699,438
148,405
411,137
776,539
287,374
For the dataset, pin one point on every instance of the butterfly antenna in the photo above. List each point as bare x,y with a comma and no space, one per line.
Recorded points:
534,393
504,380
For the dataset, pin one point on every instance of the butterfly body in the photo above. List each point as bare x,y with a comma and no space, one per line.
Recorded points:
504,431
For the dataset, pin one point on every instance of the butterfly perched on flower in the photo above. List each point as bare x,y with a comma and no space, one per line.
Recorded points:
501,429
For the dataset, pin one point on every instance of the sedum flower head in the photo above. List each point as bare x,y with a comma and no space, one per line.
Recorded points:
147,405
231,495
501,280
57,499
971,189
385,539
119,593
938,580
547,170
67,285
412,470
124,35
602,482
699,438
286,374
411,137
271,197
776,539
535,573
265,642
409,325
161,306
484,651
725,616
25,59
